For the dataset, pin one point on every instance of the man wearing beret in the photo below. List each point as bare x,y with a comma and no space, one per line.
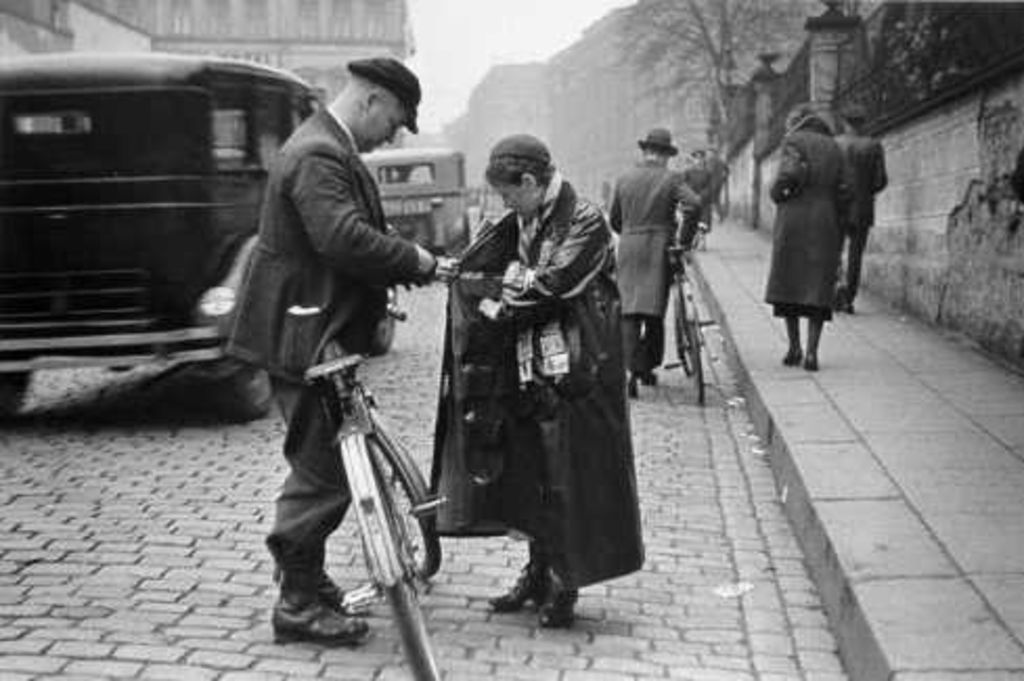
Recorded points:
316,288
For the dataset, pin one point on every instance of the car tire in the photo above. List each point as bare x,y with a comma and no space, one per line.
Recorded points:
244,394
12,392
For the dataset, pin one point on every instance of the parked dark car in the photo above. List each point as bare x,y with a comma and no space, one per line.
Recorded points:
129,198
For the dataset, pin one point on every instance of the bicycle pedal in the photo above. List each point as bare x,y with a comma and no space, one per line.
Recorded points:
428,507
358,600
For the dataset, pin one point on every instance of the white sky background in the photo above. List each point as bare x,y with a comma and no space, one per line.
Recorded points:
457,41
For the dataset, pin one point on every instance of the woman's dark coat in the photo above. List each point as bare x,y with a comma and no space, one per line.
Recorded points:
553,459
812,191
643,213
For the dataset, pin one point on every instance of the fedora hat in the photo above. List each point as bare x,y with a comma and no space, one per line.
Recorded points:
659,139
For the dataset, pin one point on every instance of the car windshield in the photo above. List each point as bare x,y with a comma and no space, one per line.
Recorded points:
131,132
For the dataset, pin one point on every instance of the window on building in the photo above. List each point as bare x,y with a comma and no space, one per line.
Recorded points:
257,17
342,18
377,18
219,17
309,18
181,17
128,10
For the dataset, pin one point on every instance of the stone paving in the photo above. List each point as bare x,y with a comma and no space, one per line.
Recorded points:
131,546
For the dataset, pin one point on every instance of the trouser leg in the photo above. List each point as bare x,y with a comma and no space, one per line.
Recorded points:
315,496
632,327
855,255
655,342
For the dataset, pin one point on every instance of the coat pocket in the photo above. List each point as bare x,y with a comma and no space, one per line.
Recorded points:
300,337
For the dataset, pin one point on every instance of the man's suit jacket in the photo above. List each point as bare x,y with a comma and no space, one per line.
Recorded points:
323,259
865,159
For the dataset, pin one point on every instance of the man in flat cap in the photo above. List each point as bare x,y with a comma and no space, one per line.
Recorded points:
316,289
643,212
865,159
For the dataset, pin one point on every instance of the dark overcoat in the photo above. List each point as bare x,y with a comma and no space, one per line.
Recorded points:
323,259
550,458
811,190
643,213
865,159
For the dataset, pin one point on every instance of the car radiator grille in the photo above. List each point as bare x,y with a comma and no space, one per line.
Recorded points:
40,305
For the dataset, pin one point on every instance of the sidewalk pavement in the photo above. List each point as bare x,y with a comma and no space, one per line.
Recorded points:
900,465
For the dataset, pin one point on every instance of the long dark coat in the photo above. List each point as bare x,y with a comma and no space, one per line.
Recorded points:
865,159
553,458
322,260
643,213
812,191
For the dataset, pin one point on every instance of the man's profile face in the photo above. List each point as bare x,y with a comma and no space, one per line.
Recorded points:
384,116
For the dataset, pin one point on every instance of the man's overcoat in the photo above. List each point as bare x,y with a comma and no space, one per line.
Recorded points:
322,262
865,159
552,457
643,213
811,191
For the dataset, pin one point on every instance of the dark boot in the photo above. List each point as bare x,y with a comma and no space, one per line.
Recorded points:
531,585
327,591
300,615
557,610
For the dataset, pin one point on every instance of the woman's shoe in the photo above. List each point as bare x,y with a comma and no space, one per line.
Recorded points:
557,610
811,363
793,358
532,585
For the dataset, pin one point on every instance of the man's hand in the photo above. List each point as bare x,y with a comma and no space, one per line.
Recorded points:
447,269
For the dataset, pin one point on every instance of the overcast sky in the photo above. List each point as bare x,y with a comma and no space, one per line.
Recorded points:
457,41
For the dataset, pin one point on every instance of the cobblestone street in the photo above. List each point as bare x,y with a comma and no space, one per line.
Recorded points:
131,545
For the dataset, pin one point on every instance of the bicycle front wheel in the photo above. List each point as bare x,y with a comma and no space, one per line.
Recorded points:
413,630
695,345
409,492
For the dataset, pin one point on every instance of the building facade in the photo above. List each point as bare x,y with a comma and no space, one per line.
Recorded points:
313,38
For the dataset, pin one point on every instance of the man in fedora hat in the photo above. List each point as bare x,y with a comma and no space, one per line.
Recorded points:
316,289
643,212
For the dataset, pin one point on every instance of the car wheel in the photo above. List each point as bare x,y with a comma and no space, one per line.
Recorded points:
244,394
12,392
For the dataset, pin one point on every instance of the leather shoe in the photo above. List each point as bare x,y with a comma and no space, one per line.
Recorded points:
316,623
793,358
811,363
531,586
557,610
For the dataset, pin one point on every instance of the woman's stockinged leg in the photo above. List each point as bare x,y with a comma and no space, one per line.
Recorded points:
814,327
795,353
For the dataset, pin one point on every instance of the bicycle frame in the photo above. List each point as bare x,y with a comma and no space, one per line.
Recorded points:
368,455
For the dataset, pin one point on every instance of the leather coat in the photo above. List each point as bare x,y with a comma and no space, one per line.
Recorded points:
549,457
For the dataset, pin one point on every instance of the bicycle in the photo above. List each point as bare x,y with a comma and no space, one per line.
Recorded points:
686,321
394,510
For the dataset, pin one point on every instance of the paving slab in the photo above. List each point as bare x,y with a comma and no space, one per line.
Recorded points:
900,465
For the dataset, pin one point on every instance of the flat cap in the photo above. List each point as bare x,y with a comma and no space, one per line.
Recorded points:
522,147
394,76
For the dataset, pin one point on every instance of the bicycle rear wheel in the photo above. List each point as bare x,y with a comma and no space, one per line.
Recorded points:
695,345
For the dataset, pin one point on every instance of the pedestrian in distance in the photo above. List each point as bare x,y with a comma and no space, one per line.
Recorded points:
644,213
533,434
697,176
811,191
865,158
316,289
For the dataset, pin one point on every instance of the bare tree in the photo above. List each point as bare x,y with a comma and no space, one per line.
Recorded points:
708,41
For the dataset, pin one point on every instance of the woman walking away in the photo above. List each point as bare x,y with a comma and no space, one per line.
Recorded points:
812,192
